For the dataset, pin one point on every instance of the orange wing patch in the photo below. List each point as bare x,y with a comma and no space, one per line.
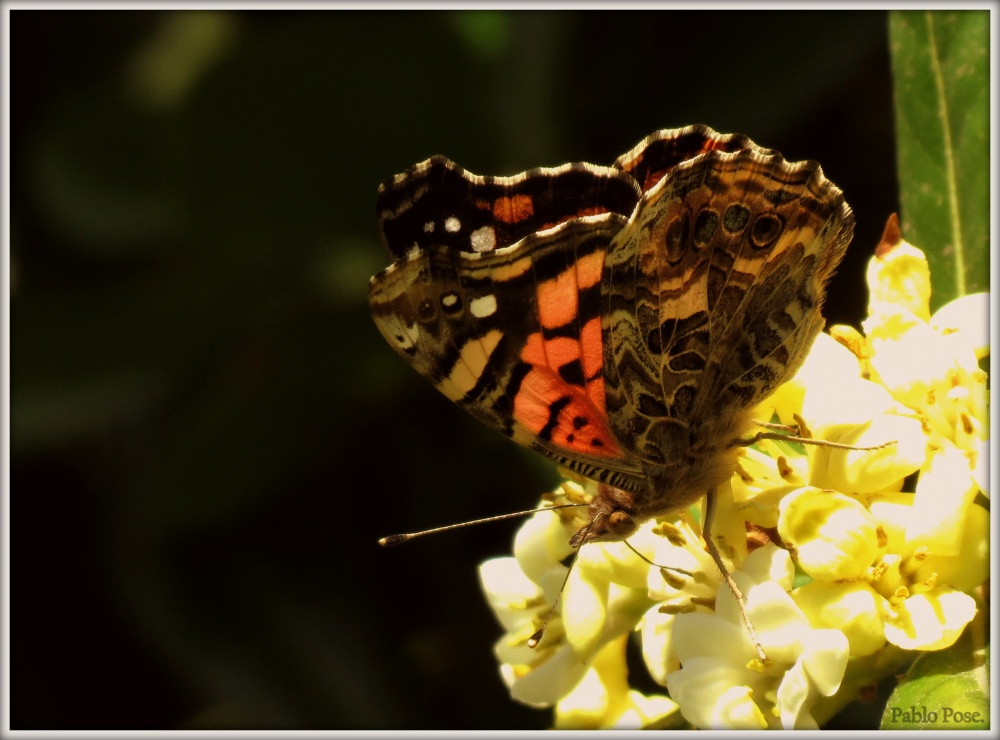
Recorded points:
513,209
559,298
592,358
557,401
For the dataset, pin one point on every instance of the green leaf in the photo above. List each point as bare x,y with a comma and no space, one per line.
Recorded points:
940,67
944,690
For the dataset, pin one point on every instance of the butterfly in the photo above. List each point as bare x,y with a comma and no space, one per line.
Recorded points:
623,321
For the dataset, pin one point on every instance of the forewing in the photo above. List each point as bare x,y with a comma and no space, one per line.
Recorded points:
436,203
655,156
513,336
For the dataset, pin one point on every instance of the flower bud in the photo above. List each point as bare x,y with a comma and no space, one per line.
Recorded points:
833,536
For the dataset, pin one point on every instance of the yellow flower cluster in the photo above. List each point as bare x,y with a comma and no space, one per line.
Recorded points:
853,558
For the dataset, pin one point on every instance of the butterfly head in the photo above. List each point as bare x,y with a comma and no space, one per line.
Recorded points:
611,518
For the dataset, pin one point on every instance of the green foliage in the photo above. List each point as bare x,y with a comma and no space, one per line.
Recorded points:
940,67
945,690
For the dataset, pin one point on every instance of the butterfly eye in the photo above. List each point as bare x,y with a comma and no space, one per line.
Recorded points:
735,219
766,229
620,524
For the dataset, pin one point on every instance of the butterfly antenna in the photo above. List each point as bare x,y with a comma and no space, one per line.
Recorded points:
537,637
395,539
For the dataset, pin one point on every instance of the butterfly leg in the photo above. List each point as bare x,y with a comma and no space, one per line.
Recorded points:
806,441
787,428
710,500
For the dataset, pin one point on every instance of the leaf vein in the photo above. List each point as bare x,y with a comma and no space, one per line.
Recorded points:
951,180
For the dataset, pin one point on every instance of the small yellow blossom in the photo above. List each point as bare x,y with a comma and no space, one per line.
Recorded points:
603,699
722,686
833,536
930,621
922,578
929,363
853,608
594,611
899,281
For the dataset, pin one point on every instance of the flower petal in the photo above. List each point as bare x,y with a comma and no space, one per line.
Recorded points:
981,467
657,644
819,380
781,626
944,491
585,609
540,544
930,621
834,536
551,680
585,707
601,696
969,316
900,277
865,470
770,563
793,699
970,566
712,695
509,592
852,608
646,710
824,657
701,635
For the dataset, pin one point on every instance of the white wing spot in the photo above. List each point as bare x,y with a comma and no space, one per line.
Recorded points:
483,306
448,300
452,224
483,239
429,227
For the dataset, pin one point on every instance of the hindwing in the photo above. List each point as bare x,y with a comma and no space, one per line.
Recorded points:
712,295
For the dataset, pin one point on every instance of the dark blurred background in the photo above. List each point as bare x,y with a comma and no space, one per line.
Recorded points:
208,435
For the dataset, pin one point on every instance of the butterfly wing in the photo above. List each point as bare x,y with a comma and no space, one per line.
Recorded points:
766,300
513,336
437,203
632,351
713,294
660,152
